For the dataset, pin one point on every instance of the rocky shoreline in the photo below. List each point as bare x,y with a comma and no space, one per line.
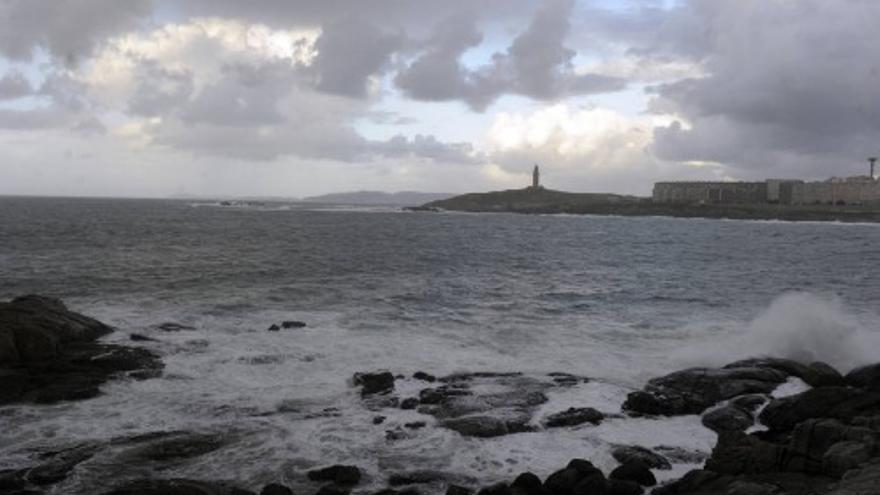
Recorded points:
820,439
548,202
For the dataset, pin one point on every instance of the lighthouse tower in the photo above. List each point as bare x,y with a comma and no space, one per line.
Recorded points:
536,178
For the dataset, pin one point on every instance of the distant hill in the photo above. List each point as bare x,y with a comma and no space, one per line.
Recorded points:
368,198
530,200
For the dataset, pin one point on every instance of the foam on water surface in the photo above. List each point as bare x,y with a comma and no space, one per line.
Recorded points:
617,300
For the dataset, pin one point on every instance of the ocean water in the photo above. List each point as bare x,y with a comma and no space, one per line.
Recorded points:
616,299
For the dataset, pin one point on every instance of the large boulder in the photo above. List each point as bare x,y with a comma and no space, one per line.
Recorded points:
842,403
694,390
574,416
627,454
35,328
817,374
49,354
728,418
379,382
484,404
865,376
862,481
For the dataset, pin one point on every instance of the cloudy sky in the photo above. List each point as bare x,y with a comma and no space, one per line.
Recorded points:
299,97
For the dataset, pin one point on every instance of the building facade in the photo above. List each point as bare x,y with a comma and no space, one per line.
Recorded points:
859,190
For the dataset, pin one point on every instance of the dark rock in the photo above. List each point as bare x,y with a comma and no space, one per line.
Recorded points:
425,377
485,404
441,395
35,328
528,484
574,416
627,454
477,426
416,477
12,479
862,481
378,420
738,453
496,489
176,446
174,327
864,376
843,456
584,467
409,403
727,418
634,471
567,379
623,487
339,474
697,482
832,402
814,377
274,328
331,490
55,467
458,490
812,439
562,482
694,390
48,354
415,425
292,324
275,489
396,434
752,488
176,487
825,375
593,484
136,337
380,382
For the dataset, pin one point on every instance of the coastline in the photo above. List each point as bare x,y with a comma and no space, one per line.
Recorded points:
783,427
544,202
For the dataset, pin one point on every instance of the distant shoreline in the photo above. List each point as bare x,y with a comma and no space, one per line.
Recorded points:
541,201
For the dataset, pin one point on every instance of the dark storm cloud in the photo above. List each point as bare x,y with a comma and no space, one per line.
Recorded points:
349,52
537,64
14,85
68,29
791,85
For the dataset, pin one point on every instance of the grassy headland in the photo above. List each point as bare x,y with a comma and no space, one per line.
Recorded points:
548,201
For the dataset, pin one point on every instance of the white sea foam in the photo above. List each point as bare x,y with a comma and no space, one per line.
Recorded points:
802,326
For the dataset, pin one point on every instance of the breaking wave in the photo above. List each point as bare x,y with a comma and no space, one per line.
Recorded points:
802,326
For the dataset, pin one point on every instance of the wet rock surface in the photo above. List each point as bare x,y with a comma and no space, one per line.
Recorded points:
176,487
379,382
825,440
484,404
48,353
574,416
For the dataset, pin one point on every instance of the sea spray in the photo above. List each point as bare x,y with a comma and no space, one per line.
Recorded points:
802,326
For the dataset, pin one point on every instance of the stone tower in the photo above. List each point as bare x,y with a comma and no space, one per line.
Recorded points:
536,178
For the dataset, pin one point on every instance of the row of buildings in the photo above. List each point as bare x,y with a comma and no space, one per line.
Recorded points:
858,190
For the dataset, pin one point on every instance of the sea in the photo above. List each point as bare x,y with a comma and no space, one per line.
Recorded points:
618,300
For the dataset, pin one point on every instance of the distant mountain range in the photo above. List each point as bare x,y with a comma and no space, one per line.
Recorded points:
369,198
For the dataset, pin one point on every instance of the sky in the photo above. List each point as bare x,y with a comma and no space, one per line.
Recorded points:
292,98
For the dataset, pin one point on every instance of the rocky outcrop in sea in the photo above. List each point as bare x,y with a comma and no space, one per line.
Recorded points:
818,437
